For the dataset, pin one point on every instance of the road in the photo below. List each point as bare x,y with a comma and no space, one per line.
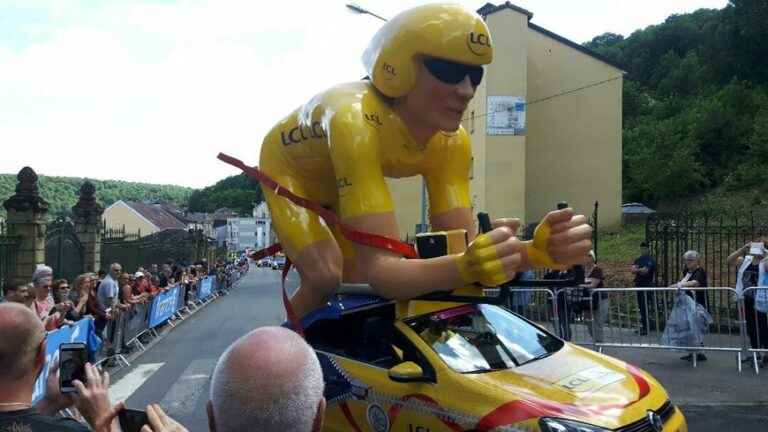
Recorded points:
176,371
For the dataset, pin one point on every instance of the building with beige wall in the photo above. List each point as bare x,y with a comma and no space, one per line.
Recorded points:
570,147
141,218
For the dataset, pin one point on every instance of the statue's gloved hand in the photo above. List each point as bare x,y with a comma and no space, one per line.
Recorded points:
560,241
492,258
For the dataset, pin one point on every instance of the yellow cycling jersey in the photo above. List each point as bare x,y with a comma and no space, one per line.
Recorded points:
338,148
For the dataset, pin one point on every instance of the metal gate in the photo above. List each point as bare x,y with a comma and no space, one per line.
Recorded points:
63,250
8,248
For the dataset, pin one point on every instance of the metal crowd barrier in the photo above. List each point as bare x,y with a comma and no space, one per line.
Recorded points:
129,326
755,324
636,318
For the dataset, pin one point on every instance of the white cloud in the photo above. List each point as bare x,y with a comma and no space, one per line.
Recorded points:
151,91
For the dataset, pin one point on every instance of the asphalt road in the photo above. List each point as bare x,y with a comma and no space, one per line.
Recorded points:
176,371
726,418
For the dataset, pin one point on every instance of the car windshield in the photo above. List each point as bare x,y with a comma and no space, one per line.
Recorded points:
481,338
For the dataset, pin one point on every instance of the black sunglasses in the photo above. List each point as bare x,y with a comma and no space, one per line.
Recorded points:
453,73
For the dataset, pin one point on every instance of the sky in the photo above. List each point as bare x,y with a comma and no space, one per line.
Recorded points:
153,90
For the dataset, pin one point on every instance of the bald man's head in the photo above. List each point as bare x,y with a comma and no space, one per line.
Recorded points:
268,380
21,333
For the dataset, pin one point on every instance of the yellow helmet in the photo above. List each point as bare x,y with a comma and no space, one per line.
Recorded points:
446,31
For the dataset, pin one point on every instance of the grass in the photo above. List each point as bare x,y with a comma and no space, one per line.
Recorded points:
617,249
620,245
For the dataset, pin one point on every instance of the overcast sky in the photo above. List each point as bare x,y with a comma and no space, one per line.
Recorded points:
152,90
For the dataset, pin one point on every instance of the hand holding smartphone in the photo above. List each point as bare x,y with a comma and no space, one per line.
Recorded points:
72,359
132,420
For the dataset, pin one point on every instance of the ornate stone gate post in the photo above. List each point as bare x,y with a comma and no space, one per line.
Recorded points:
26,210
86,215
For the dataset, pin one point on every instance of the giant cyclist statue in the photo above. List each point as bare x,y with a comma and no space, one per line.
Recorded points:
424,66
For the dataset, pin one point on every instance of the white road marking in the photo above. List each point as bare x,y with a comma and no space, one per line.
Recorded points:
127,385
180,399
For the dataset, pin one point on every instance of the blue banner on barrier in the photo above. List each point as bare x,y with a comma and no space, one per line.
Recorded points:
205,288
83,331
164,306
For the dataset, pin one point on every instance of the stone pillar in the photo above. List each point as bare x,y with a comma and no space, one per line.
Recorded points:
26,210
86,215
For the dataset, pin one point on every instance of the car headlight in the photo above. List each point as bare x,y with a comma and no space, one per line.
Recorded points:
562,425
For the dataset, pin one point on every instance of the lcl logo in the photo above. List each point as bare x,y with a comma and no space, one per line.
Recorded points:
478,43
389,70
373,119
302,133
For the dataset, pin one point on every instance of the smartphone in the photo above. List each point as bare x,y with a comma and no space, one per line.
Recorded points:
72,358
132,420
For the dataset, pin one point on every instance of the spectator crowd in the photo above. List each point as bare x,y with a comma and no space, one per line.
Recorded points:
107,294
655,309
29,310
268,380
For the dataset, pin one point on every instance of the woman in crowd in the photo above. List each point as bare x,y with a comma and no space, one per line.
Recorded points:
154,285
694,276
189,280
138,295
127,296
44,305
140,283
747,261
43,302
598,303
82,291
63,303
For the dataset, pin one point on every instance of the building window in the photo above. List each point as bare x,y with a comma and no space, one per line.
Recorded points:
472,123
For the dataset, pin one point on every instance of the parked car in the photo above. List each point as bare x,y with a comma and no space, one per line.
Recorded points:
278,262
435,366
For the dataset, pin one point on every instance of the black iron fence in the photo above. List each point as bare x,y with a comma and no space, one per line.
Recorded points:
9,245
714,237
132,250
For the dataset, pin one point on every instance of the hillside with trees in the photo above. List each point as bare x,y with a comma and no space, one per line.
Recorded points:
61,192
695,102
238,193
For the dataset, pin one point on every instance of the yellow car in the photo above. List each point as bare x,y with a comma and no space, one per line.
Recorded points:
428,366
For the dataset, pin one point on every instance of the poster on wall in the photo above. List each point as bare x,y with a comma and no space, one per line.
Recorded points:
506,115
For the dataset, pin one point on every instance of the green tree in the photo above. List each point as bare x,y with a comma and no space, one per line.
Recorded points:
62,192
239,193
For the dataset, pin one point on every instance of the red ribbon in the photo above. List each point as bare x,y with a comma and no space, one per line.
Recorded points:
330,218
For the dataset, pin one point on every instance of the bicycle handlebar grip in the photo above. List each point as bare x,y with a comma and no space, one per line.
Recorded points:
484,221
